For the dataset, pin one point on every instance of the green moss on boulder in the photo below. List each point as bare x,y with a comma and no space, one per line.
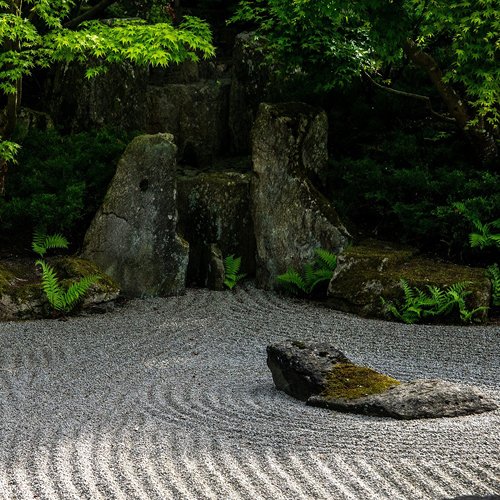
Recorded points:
373,269
21,292
349,381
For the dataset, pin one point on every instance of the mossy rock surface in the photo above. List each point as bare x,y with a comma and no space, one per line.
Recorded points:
349,381
21,292
374,269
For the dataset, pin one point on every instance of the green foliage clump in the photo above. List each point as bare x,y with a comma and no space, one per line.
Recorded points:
493,273
348,381
421,304
408,185
59,299
319,271
43,242
60,181
484,238
231,268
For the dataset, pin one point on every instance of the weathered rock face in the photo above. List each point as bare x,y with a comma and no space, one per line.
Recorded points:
291,216
312,372
213,268
116,98
248,89
215,208
26,120
299,369
373,269
22,296
195,114
133,236
414,400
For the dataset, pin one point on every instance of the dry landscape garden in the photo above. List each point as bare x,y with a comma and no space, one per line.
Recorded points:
249,249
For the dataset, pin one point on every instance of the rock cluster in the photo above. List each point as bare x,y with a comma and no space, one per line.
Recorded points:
305,371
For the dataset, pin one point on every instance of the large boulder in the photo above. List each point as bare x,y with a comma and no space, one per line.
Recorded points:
300,369
133,236
291,216
373,269
249,87
214,208
321,375
414,400
195,114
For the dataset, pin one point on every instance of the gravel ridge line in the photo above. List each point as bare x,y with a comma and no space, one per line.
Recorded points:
172,399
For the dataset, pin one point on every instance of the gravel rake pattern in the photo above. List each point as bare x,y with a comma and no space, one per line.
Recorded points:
172,399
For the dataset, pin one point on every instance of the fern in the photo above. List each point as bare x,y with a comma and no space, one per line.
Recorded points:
320,270
42,242
484,238
493,273
231,268
291,281
58,298
421,304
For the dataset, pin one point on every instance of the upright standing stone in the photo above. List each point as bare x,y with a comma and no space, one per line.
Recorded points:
291,216
133,237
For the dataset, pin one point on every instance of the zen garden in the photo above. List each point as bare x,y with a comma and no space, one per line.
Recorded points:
250,249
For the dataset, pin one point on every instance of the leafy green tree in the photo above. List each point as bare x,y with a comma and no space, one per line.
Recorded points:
456,42
38,33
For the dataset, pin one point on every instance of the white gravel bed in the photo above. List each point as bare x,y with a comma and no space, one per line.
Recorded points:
172,399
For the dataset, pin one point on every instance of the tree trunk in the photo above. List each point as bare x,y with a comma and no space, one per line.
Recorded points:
13,101
480,135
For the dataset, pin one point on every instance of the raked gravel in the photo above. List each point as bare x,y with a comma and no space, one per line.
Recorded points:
172,399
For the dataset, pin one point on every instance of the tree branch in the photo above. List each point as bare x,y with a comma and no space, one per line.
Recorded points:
425,99
89,14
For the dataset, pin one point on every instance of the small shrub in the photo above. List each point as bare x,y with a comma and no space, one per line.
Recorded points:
320,270
420,304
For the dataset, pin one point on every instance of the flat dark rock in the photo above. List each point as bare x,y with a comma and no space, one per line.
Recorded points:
299,369
413,400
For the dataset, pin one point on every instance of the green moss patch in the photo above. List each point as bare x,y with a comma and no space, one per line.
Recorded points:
349,381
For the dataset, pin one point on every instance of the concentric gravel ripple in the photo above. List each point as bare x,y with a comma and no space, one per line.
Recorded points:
172,399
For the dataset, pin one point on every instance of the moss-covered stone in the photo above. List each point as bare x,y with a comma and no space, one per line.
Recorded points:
350,381
22,295
373,269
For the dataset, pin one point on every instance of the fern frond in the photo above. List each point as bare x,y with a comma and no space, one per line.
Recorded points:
231,268
493,273
56,241
232,265
77,290
326,260
51,286
409,293
42,242
38,240
292,281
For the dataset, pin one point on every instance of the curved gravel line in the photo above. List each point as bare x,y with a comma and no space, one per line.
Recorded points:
172,399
